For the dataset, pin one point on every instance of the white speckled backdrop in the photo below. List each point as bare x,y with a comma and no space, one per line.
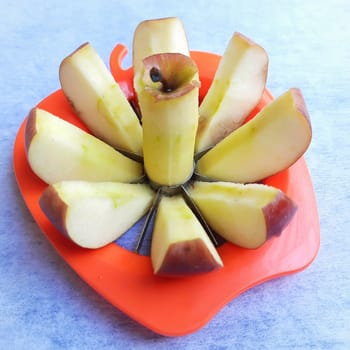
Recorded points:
45,305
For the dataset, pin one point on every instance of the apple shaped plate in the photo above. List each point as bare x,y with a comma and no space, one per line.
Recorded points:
177,306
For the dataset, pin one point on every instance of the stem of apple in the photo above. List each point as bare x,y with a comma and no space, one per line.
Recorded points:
157,77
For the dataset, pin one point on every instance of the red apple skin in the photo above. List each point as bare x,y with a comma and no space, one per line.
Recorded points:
54,208
76,110
76,50
301,106
197,259
278,214
30,129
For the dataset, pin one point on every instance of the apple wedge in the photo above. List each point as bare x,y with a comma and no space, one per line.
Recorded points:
169,108
267,144
237,87
180,245
57,151
246,215
94,214
157,36
99,101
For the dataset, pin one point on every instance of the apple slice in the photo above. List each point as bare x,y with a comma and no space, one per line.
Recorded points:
180,245
93,214
267,144
57,150
157,36
236,89
99,101
246,215
169,108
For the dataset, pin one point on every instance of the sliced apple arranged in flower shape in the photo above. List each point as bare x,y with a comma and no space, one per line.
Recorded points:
194,168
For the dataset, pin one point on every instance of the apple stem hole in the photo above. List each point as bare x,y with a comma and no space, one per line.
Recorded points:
157,77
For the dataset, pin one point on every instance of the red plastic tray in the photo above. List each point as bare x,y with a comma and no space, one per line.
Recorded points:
177,306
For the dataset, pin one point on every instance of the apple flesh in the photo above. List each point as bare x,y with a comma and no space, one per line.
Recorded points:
237,87
269,143
169,108
163,35
99,101
94,214
246,215
180,246
57,150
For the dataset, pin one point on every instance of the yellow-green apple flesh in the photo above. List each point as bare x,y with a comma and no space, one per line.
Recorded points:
237,88
180,246
269,143
163,35
244,214
94,214
57,150
99,101
168,102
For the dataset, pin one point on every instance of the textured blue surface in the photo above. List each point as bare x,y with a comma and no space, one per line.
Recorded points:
45,305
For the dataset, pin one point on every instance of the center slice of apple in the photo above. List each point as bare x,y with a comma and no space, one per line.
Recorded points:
169,106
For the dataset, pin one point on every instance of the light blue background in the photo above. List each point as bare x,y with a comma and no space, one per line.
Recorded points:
45,305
